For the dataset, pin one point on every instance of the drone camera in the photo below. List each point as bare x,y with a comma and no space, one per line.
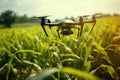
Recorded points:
67,32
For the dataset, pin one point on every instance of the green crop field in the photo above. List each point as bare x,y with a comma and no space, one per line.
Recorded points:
27,54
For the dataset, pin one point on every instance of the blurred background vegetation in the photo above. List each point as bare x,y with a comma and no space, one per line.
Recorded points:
8,17
25,50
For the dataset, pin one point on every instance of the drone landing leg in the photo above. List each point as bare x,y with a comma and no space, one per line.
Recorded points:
58,33
78,32
81,30
92,28
44,31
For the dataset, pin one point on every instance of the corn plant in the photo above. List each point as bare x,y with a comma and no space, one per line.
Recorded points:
25,51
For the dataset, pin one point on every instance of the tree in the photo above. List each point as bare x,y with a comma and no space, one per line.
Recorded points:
7,18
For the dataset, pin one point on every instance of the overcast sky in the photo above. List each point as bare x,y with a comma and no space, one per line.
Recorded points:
60,8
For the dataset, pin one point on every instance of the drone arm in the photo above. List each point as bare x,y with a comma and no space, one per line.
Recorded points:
89,21
92,28
51,24
58,33
77,24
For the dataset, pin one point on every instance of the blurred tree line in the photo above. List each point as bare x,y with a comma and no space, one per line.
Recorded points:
23,19
8,17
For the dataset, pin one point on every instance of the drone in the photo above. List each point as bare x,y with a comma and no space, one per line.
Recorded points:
66,25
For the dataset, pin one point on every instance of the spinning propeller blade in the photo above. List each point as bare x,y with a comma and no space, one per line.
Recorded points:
43,16
86,15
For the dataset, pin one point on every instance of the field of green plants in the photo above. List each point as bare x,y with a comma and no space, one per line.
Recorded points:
27,54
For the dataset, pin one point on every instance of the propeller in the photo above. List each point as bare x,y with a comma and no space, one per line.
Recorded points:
86,15
96,15
43,16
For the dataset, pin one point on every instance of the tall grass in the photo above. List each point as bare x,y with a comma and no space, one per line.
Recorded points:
26,50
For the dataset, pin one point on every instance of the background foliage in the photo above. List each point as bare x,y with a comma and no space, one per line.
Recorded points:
25,50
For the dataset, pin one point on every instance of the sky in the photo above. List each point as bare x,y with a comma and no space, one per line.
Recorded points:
60,8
